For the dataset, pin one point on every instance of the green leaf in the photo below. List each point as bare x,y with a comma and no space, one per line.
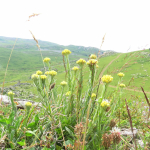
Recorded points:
32,148
70,132
8,121
22,142
33,133
31,125
45,148
29,134
3,121
36,119
68,142
17,123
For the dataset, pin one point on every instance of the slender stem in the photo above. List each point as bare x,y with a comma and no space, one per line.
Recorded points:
86,125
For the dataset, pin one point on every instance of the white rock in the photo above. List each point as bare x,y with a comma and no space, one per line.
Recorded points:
5,99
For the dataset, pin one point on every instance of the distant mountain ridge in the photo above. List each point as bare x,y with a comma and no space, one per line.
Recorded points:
25,44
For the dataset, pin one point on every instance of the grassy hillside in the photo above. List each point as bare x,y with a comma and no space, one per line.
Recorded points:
26,57
135,66
24,63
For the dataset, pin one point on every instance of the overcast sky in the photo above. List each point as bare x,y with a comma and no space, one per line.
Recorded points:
80,22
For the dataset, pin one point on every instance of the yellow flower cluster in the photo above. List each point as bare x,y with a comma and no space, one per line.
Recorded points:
105,103
92,62
34,76
81,61
28,104
120,74
43,77
66,52
11,93
68,93
107,78
46,60
93,95
63,83
93,56
122,85
39,72
75,68
97,66
52,73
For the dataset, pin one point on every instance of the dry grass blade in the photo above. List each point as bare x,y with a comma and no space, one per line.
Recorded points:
146,101
6,70
62,135
38,48
33,16
130,120
86,125
101,45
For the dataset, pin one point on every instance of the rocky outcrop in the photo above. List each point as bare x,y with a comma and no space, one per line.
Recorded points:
20,103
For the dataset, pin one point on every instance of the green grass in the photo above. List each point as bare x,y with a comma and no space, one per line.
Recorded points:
134,65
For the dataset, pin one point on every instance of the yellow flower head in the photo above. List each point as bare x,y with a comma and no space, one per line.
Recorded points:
39,72
93,56
105,103
97,66
63,83
120,74
28,104
10,93
93,95
68,93
107,78
66,52
46,60
81,62
122,85
52,73
92,62
43,77
75,68
34,76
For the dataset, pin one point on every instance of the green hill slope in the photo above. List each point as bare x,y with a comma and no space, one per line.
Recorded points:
26,57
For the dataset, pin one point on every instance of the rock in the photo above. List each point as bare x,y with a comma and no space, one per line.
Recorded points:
128,132
11,88
21,102
5,99
140,143
31,96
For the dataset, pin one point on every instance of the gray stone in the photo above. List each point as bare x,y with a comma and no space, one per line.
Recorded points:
128,132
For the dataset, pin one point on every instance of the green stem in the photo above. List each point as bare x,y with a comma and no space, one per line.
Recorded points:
69,73
91,81
61,95
14,108
80,86
99,102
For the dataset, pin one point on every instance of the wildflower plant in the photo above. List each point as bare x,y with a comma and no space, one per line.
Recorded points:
72,117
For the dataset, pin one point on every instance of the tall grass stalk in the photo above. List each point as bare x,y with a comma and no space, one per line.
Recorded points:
7,68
